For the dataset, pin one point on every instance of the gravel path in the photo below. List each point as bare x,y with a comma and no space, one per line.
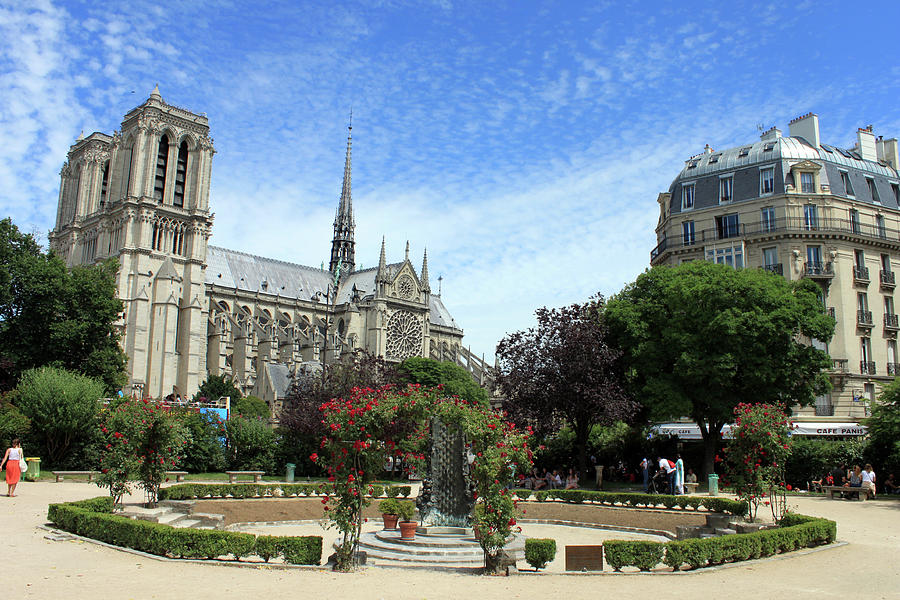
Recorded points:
75,570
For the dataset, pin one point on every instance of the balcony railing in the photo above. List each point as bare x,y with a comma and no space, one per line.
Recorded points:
830,312
893,368
840,365
864,318
860,274
818,270
782,225
824,410
886,278
866,367
776,268
891,321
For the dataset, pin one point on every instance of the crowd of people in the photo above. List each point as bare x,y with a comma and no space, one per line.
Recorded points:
549,480
863,478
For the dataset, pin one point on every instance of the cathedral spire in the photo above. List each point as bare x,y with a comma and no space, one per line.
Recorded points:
342,245
425,285
407,250
381,275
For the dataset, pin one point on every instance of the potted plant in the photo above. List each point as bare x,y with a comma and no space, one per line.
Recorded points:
407,512
390,512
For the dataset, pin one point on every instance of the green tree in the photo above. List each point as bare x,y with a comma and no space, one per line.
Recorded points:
700,338
217,386
13,424
50,315
251,444
63,407
565,371
204,434
251,406
884,430
456,380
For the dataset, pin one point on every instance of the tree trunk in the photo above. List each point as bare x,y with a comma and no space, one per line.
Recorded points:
711,433
582,434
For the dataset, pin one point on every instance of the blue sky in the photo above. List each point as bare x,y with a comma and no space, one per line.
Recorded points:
523,143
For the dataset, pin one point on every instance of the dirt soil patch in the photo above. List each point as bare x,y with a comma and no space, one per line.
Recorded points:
299,509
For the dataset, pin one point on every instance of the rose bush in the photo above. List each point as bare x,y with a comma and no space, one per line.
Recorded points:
756,455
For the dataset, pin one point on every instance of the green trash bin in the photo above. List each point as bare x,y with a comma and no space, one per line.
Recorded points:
713,484
289,472
34,468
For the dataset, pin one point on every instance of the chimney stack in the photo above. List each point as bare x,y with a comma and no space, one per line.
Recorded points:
772,133
866,143
886,150
806,127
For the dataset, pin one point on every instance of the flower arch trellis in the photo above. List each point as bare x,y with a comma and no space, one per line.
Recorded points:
362,430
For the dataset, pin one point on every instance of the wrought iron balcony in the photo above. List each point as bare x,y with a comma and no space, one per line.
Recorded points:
860,274
864,318
893,368
840,365
891,321
824,410
830,312
866,367
819,270
886,278
776,268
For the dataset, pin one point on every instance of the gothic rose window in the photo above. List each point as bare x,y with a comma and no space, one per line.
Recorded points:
405,287
404,335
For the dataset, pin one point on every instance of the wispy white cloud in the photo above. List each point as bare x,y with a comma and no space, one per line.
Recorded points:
525,147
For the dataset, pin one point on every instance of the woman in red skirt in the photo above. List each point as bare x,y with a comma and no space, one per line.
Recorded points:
11,460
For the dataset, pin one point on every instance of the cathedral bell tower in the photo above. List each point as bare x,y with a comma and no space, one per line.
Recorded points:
141,195
342,245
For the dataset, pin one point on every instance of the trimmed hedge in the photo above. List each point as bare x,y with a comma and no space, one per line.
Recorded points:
190,491
94,519
796,531
720,505
539,552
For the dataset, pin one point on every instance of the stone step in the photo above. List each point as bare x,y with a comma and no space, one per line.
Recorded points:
186,522
393,537
171,518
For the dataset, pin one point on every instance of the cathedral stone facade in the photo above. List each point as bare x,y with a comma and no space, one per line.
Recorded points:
141,195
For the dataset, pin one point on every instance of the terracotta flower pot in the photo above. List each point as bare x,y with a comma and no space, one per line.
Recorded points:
408,530
390,521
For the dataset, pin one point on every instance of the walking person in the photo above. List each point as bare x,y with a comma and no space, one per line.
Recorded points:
669,467
13,472
645,473
679,475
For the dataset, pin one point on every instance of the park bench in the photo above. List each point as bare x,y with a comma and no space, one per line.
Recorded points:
61,475
179,475
233,475
691,488
861,493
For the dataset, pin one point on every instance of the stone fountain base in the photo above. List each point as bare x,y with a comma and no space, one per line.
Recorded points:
433,547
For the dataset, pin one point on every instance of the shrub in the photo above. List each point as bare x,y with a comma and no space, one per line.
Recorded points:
376,491
63,408
251,407
389,506
90,518
643,555
392,491
250,445
539,552
405,490
204,450
540,495
13,424
406,509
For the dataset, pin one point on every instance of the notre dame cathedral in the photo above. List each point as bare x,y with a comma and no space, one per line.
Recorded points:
191,309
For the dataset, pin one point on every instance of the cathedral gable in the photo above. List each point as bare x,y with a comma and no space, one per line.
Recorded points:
406,285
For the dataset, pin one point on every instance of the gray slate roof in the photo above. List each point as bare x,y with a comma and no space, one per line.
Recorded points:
248,272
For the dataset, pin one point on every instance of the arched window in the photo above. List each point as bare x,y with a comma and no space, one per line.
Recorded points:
181,174
126,167
104,185
162,161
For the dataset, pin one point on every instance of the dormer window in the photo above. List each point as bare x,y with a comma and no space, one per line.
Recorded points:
807,182
848,187
726,189
769,146
714,158
687,197
744,152
873,191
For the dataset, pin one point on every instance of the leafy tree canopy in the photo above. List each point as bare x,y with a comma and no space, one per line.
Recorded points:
50,315
457,381
565,370
884,430
252,407
217,386
700,338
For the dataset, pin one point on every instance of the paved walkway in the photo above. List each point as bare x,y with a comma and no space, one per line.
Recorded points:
868,565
